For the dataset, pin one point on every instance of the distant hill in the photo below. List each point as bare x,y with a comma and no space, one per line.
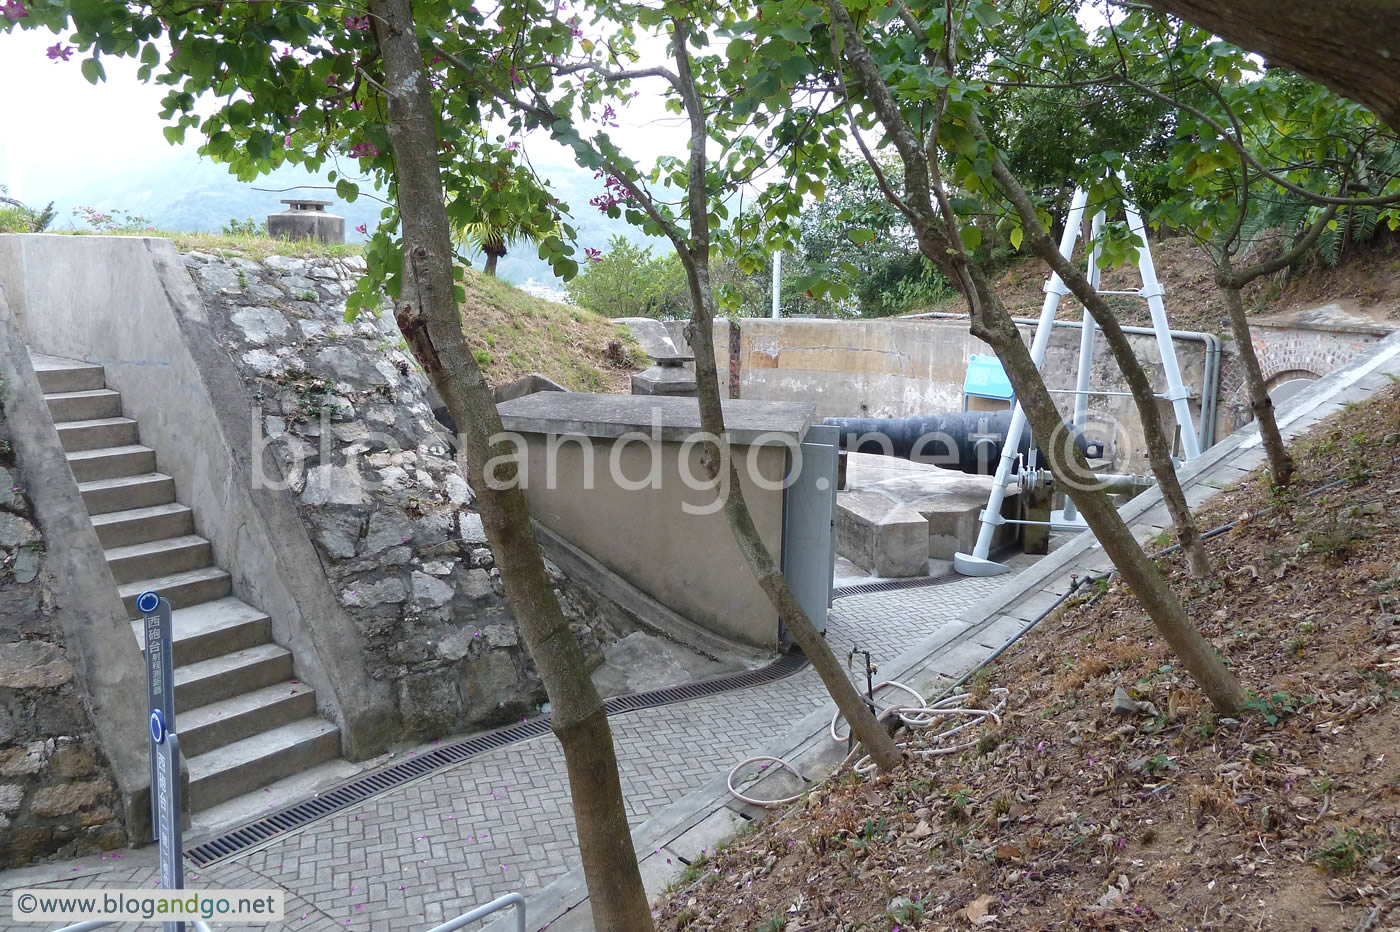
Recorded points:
185,193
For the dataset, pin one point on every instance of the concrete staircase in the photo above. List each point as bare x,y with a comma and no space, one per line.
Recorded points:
244,721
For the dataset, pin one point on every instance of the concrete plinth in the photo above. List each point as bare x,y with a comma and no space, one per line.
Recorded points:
894,515
306,219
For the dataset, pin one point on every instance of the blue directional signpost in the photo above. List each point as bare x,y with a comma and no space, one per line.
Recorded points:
165,744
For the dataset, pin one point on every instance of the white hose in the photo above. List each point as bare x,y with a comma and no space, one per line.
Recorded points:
919,715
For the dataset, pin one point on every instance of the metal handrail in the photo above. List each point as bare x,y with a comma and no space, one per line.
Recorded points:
499,903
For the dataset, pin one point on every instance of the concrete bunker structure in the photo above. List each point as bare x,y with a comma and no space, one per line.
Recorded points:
619,477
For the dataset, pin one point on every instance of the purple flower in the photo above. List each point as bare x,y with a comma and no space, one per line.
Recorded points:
362,150
15,10
593,255
357,23
361,229
60,52
609,116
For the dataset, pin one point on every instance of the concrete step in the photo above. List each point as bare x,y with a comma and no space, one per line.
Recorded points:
138,525
180,589
84,406
222,723
111,462
57,374
248,765
94,434
126,492
207,630
227,675
158,557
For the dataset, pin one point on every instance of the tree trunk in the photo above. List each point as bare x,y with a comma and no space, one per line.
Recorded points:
1280,463
695,256
995,326
1348,45
430,319
992,323
490,267
1154,431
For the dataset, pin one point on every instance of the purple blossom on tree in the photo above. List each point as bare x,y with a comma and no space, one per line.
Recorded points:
357,23
15,10
362,229
362,150
60,52
615,192
593,255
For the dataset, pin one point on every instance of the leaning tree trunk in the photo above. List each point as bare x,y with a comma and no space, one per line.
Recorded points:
1348,45
1154,432
695,256
430,319
492,256
1280,463
995,326
992,323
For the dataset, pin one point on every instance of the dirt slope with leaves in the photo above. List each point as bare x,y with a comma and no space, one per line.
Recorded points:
1159,814
1371,276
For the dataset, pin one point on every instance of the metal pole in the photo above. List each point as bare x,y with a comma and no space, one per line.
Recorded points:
777,282
500,902
976,563
1087,333
1152,290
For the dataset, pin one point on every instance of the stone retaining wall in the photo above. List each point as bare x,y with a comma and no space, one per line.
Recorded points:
57,794
341,412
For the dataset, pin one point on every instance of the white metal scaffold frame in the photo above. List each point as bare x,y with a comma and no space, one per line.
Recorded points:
978,563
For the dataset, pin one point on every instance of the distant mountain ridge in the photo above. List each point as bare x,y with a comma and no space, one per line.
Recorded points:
187,193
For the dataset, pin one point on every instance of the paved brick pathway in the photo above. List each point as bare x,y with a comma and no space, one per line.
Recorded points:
502,822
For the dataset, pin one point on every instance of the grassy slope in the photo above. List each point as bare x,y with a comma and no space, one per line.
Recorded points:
1068,816
515,334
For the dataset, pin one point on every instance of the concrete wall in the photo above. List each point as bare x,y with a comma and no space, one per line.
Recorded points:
128,304
689,563
1297,351
902,367
73,777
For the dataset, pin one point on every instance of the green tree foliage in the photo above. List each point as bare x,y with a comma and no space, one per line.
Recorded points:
626,280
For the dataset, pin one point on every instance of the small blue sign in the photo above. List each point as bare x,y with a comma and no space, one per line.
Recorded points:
157,727
147,602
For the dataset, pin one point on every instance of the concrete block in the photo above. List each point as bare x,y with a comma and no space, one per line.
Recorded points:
959,658
707,835
659,870
884,541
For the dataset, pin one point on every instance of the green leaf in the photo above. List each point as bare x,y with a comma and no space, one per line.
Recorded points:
971,237
986,14
1016,238
93,71
347,190
860,236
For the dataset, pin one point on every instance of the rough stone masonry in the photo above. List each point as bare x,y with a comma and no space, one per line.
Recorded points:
57,795
344,414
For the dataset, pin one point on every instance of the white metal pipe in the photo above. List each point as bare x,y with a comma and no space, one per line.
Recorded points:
1055,289
1152,291
777,281
1210,379
1087,332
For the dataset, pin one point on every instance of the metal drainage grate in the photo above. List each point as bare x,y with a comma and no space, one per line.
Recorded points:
890,585
268,828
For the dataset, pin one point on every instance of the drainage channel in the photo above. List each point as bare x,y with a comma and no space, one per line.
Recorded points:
267,829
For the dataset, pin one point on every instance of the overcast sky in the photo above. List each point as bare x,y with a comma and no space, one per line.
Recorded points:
56,128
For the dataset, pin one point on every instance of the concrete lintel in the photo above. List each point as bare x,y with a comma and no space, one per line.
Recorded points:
669,418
